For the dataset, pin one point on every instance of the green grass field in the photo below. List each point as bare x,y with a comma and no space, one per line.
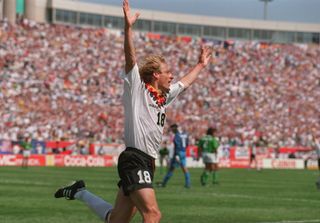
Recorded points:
26,196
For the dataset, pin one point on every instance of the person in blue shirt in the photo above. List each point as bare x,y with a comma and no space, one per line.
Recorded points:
180,142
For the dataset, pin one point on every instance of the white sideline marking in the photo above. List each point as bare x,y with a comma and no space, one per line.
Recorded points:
265,198
302,221
16,181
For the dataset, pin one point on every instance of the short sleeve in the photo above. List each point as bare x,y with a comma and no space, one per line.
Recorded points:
132,79
174,92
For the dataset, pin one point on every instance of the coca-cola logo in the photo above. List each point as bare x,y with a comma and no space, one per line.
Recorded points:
84,161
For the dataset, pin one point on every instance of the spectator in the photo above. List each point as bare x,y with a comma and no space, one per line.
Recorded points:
58,79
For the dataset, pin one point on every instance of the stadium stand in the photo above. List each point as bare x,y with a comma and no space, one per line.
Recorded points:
62,83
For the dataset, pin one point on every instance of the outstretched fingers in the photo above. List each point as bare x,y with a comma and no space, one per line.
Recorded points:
130,20
206,53
125,7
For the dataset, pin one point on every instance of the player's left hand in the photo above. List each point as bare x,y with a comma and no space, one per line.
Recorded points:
205,55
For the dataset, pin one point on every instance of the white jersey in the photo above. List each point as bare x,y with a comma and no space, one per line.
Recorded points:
144,119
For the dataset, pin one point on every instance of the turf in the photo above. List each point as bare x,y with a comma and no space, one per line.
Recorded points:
243,196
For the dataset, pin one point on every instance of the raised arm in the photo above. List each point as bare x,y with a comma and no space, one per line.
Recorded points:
204,59
129,50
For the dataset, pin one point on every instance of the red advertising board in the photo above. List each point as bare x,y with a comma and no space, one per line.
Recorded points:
84,161
60,160
16,160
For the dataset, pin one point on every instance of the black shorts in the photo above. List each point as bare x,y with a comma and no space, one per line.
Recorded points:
135,169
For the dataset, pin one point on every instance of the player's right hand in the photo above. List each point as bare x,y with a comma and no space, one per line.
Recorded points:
129,20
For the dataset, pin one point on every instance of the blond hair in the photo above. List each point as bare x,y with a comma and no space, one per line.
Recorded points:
151,64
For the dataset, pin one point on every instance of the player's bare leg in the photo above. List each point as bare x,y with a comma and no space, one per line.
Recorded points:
145,200
123,210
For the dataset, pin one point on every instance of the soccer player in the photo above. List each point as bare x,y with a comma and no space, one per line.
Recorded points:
255,145
208,146
253,152
26,151
180,142
147,93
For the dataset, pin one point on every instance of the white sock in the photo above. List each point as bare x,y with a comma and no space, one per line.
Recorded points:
95,203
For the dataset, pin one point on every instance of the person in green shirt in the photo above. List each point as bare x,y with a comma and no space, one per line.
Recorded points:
26,151
208,147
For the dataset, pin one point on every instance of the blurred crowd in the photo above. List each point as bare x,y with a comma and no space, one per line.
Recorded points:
62,83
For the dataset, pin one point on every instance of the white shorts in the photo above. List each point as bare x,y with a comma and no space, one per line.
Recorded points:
26,153
209,158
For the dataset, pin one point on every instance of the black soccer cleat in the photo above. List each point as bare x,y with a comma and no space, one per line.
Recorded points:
69,191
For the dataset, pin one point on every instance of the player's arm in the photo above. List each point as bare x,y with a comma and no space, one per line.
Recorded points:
129,50
204,59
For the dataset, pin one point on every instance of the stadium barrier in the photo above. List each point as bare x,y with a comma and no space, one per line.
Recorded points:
283,164
105,155
111,160
60,160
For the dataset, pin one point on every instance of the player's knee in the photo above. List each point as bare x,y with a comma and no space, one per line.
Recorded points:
153,215
157,215
117,216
